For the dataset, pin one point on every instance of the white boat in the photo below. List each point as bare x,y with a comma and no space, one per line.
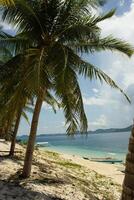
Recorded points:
41,144
106,160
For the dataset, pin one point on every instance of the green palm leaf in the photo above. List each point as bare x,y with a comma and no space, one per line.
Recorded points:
6,2
108,43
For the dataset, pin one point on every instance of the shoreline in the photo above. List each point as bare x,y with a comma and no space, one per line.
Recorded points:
57,176
109,170
90,154
113,171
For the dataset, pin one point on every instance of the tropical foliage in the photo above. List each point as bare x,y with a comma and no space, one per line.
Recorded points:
50,38
7,2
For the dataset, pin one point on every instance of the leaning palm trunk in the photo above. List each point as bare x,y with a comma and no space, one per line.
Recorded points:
2,132
128,185
7,129
31,141
13,141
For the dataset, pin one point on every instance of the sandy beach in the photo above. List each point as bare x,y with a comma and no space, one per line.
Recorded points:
113,171
58,176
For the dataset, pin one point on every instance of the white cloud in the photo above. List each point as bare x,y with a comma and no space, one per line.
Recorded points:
120,26
122,2
97,101
118,66
7,27
63,124
118,112
101,122
95,90
46,106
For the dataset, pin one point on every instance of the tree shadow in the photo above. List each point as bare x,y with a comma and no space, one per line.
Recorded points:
49,181
46,174
45,177
44,180
15,191
12,158
3,157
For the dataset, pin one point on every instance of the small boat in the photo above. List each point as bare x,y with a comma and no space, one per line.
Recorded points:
41,144
106,160
86,158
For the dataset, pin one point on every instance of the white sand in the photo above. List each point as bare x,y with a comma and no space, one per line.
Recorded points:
52,181
110,170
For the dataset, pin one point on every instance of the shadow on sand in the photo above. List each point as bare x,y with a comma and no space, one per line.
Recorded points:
14,191
47,174
15,188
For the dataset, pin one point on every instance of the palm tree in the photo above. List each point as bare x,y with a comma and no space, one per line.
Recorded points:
50,37
20,112
5,56
11,2
6,2
128,185
11,112
15,131
12,107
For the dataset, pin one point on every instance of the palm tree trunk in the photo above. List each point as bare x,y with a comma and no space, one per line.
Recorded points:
2,132
13,141
128,185
31,141
7,128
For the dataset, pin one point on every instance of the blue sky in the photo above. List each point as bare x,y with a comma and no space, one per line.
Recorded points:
105,107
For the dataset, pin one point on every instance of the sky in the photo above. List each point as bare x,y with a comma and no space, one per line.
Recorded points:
105,107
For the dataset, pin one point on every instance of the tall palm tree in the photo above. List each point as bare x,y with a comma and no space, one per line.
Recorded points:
13,105
128,185
9,109
15,131
51,36
23,108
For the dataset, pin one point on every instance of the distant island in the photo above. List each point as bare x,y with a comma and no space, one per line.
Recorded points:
112,130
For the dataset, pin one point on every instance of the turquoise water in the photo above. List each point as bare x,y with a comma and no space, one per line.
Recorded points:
94,145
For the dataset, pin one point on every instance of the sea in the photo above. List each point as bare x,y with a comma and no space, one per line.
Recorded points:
100,145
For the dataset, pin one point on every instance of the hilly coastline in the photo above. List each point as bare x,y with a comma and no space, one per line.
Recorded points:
98,131
112,130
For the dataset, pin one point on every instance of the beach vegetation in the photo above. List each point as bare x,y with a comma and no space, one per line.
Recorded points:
69,164
52,154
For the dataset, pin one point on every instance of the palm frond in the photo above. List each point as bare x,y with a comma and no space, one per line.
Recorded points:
22,16
51,101
26,117
7,2
90,71
107,43
105,16
15,44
